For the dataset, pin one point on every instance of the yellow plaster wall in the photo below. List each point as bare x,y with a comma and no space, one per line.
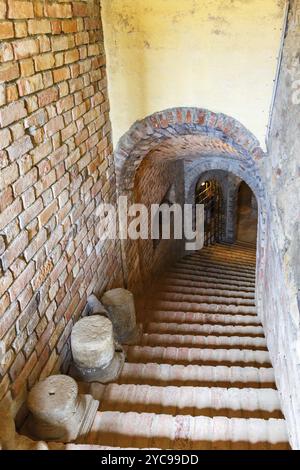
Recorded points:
216,54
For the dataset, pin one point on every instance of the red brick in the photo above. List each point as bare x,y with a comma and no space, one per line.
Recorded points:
30,85
27,68
69,26
48,96
25,181
10,213
61,74
17,366
19,148
20,9
22,281
44,62
25,48
3,10
56,27
6,52
80,9
5,138
6,281
44,339
6,30
23,375
65,104
9,72
6,198
40,26
58,10
4,303
8,319
71,56
14,250
21,29
11,113
54,125
35,244
61,43
8,175
68,131
46,215
31,213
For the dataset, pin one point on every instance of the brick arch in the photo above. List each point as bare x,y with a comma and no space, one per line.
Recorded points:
216,132
215,140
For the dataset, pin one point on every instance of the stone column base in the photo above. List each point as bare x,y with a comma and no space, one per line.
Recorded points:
82,422
104,376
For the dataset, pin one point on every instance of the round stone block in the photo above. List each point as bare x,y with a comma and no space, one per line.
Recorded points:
54,399
92,342
120,305
57,411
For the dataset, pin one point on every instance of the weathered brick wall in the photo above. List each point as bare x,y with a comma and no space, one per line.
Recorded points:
152,182
56,166
281,299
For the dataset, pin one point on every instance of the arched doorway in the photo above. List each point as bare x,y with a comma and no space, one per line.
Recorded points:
209,193
215,141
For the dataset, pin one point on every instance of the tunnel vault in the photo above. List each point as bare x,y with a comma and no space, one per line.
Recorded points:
204,141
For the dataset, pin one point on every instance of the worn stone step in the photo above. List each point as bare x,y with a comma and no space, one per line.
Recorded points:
196,329
166,287
187,400
178,282
204,307
202,318
150,430
195,375
210,299
184,269
191,276
199,341
214,268
184,355
239,262
240,256
205,259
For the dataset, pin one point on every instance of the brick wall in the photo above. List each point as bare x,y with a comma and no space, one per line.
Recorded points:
56,165
152,182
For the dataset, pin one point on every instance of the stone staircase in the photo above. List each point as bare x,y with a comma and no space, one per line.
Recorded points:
201,377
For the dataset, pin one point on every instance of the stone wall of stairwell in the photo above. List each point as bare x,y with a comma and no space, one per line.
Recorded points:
152,182
56,166
281,299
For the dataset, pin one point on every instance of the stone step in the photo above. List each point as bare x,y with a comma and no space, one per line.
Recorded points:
149,430
205,259
240,257
198,341
187,400
204,307
184,269
195,375
184,355
237,262
202,318
196,329
210,299
191,276
194,290
174,281
205,267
